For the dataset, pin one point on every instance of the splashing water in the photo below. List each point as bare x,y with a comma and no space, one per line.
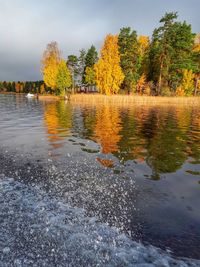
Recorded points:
37,230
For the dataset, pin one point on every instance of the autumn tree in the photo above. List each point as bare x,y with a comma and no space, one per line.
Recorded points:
17,87
42,88
50,62
90,76
109,75
143,54
196,56
63,79
128,49
196,46
187,83
141,84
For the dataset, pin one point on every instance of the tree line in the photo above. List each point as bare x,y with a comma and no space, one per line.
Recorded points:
167,64
24,87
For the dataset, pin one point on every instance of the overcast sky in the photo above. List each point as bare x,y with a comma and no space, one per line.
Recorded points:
26,26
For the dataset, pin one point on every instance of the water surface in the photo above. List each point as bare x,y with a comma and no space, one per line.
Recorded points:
136,168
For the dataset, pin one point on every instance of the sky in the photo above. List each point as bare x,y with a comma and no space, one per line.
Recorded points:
27,26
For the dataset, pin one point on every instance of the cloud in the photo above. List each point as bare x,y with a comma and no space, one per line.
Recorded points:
27,26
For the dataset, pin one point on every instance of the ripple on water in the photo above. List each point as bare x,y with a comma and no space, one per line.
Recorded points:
37,230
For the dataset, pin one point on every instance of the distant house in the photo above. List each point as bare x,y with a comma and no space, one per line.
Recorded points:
84,88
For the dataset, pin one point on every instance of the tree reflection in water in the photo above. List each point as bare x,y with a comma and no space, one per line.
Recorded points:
163,137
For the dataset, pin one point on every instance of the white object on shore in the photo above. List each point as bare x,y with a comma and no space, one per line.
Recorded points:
30,95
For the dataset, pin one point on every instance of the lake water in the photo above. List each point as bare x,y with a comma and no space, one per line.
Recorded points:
104,185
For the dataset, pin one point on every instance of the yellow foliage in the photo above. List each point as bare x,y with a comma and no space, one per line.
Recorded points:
90,76
109,75
21,87
141,84
17,87
196,47
50,62
187,83
63,78
57,118
147,89
179,91
198,84
42,89
143,42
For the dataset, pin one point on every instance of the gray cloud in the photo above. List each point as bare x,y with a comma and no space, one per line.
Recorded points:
26,26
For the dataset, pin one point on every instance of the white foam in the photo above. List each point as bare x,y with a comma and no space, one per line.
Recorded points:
36,230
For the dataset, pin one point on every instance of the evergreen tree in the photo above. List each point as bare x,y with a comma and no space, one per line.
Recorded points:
72,63
170,52
81,65
90,59
128,49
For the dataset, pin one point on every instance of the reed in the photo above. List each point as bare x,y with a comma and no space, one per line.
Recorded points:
134,99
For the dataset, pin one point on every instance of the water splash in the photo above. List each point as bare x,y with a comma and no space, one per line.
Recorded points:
37,230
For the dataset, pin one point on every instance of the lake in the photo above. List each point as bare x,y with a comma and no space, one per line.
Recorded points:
98,185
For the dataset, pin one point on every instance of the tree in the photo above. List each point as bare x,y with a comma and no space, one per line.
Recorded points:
143,54
196,57
128,49
109,75
187,83
196,46
63,79
90,76
72,63
90,59
17,87
42,88
81,65
170,52
50,62
161,50
141,84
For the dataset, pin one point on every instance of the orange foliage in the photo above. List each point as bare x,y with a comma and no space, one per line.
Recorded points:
106,162
52,122
17,87
107,128
180,91
141,84
143,42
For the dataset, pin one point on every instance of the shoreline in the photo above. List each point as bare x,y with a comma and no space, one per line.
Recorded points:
94,99
133,99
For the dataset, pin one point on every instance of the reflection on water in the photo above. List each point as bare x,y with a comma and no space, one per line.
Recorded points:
58,121
134,167
162,137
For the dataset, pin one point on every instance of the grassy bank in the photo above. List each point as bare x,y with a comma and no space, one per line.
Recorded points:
122,99
133,99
